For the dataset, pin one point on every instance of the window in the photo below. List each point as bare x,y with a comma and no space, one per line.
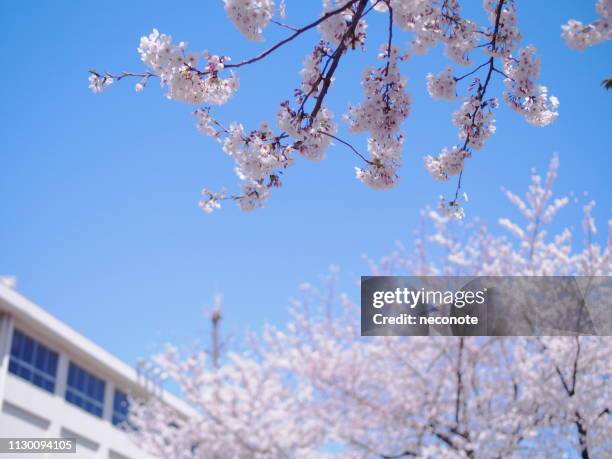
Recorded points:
85,390
33,361
120,408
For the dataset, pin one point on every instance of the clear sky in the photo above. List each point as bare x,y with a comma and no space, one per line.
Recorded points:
99,218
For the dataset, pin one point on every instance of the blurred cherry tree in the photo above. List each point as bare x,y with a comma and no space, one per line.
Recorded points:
316,389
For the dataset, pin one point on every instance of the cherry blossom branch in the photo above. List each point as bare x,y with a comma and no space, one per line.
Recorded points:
315,85
390,37
473,71
336,58
108,77
122,75
495,69
481,90
297,33
259,154
344,142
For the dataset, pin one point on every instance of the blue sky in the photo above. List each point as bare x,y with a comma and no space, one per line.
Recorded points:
99,216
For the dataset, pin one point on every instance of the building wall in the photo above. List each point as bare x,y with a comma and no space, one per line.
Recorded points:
28,411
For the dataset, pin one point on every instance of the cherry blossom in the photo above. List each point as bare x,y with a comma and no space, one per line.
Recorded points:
253,196
378,175
385,107
250,16
259,156
447,163
98,83
210,201
334,29
386,103
312,139
475,121
451,209
443,85
177,71
504,19
523,95
580,36
304,123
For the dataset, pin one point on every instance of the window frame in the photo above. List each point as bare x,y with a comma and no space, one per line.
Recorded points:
118,418
18,362
77,387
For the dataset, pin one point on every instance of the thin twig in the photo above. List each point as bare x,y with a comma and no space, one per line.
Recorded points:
286,26
473,71
344,142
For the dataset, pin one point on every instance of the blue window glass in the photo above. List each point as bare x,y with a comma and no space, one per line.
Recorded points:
85,390
120,408
33,361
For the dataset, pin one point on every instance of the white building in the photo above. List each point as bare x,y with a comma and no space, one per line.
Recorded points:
55,383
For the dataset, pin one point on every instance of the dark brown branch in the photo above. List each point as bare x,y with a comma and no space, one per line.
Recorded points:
122,75
575,367
390,39
582,437
286,26
294,35
344,142
400,455
482,89
336,58
473,71
459,381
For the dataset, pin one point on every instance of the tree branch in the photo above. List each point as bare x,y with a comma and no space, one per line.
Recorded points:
483,89
336,58
347,144
294,35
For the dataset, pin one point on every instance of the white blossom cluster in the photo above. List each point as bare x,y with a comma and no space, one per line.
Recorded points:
580,36
463,40
250,16
385,160
236,408
382,113
311,71
334,29
508,35
258,156
443,85
253,196
206,123
210,200
98,83
475,121
524,96
311,138
447,163
254,153
296,390
475,117
433,23
451,208
386,103
178,71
